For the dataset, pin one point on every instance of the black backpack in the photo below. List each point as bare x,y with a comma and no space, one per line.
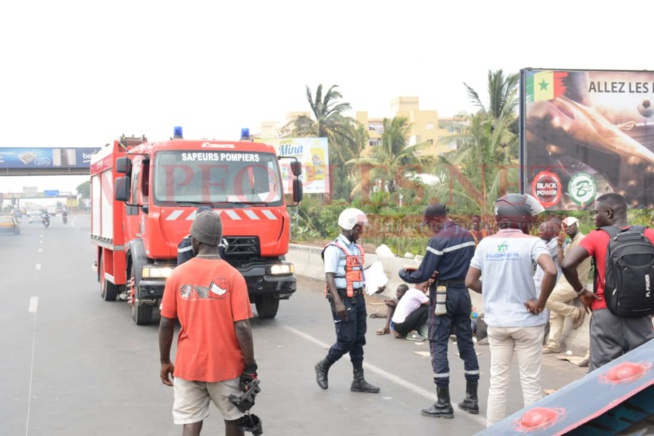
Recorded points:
629,272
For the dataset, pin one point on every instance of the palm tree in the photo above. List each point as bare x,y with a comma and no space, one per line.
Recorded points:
328,122
345,136
390,160
485,163
501,91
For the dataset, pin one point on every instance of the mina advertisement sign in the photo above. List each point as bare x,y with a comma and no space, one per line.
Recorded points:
314,155
587,133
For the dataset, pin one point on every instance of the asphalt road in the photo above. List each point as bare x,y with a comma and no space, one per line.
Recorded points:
73,364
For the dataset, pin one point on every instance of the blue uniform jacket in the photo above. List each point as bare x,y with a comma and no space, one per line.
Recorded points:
185,251
449,252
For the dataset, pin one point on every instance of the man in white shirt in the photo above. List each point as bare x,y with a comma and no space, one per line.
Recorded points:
548,232
512,304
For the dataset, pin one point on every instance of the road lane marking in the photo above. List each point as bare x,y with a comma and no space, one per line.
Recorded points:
34,304
481,420
38,267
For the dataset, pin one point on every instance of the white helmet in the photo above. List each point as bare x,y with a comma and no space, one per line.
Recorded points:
350,218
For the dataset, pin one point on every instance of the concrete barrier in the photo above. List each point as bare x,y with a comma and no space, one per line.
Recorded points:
308,263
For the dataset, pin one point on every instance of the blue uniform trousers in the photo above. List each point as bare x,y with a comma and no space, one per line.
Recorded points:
457,321
350,332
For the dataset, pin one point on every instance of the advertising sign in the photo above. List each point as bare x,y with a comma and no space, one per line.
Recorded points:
587,133
46,157
314,155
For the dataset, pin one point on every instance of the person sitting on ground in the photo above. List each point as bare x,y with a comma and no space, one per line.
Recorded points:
563,294
409,312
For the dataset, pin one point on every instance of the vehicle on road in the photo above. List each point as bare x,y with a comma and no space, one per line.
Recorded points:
33,217
145,195
46,220
9,225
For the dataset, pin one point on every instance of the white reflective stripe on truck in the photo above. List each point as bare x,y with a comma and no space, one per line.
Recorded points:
174,215
233,214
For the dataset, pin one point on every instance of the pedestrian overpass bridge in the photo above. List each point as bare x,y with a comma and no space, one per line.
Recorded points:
43,161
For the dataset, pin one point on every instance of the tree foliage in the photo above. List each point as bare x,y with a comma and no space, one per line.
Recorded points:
346,137
485,164
393,161
84,189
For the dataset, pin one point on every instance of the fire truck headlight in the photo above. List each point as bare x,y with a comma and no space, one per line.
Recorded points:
156,272
282,269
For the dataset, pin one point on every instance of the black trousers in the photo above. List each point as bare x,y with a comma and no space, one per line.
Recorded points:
413,321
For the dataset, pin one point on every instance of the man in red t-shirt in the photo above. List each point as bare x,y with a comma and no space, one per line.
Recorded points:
610,336
215,356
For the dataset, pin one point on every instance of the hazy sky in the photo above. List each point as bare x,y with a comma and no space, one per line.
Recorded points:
81,73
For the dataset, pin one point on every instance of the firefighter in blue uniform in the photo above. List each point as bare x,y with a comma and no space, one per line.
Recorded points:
345,282
446,262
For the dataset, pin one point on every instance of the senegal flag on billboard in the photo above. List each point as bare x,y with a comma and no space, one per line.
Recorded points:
545,85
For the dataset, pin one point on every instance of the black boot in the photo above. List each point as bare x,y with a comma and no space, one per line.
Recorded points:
441,408
322,368
470,404
359,384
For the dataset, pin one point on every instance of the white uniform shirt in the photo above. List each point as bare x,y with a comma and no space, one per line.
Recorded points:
505,260
335,262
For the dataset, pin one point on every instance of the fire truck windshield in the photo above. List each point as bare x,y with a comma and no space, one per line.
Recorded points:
210,177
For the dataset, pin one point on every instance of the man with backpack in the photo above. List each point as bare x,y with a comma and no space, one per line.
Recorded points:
624,265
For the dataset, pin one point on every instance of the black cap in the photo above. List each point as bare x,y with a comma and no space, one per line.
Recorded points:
437,209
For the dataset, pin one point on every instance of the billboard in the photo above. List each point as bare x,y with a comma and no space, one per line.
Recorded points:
586,133
314,155
46,157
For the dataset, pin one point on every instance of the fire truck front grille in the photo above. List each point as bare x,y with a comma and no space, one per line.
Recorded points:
242,246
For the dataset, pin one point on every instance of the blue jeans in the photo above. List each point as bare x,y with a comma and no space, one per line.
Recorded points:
350,332
457,321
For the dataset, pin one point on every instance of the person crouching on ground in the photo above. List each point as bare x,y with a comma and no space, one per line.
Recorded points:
408,312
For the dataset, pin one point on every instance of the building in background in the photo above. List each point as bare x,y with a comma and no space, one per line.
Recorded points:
425,126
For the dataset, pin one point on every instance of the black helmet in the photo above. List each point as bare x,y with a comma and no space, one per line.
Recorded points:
517,211
250,422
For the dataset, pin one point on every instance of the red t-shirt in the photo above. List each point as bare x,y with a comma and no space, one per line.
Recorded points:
207,296
596,243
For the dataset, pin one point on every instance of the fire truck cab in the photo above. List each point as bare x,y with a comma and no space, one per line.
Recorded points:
145,195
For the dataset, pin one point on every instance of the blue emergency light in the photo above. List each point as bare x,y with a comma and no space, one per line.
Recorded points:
245,133
177,132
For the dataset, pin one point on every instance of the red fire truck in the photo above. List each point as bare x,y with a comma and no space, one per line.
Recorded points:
145,195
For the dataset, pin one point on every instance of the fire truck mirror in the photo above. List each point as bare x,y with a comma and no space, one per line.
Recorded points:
297,190
123,165
296,168
121,191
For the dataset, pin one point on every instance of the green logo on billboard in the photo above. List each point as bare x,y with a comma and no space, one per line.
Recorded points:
582,189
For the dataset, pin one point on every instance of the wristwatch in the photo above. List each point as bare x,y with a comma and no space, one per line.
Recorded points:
581,291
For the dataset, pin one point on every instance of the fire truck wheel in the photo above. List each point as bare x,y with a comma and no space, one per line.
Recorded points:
142,314
267,306
108,290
